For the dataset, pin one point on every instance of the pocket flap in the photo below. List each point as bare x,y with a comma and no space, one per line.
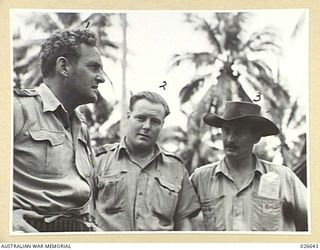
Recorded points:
54,137
109,177
168,185
211,202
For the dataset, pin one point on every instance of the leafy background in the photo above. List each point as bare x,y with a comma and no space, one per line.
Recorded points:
237,63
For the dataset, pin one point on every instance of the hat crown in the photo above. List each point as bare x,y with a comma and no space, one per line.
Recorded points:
240,109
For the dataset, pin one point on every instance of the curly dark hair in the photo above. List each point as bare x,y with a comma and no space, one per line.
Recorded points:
64,43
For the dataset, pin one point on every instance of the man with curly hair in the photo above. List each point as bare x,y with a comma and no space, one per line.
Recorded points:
52,152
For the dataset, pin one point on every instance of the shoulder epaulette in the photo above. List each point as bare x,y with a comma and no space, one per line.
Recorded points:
174,156
25,92
104,148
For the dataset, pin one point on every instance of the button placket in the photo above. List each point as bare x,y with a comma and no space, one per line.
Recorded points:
139,204
237,213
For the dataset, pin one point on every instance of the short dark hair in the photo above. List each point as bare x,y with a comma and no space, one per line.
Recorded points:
151,97
64,43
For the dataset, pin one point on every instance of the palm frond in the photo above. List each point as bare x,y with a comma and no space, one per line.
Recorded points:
212,35
109,44
242,17
257,67
188,90
299,25
269,35
267,47
98,20
300,121
24,44
27,62
43,22
293,111
263,74
68,19
221,16
198,59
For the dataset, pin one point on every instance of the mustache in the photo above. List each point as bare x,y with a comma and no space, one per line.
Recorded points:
230,145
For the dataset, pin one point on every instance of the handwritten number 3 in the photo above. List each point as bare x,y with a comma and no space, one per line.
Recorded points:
258,97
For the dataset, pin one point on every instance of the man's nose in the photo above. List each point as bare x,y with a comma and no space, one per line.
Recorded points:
147,124
101,77
231,136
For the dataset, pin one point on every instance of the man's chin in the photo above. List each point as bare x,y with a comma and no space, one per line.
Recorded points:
231,154
93,99
94,96
144,144
90,99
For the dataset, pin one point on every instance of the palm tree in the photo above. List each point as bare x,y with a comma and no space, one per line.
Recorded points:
243,62
124,73
26,68
296,153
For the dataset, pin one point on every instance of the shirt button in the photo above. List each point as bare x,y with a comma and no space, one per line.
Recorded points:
140,193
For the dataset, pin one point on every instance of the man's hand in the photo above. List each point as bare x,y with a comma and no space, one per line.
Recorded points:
19,223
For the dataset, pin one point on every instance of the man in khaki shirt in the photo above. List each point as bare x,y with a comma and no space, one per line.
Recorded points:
138,186
52,155
242,192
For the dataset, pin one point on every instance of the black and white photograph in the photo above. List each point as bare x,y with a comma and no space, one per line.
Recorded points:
160,120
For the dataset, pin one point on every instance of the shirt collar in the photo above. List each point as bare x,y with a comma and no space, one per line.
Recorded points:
50,101
222,167
124,149
259,165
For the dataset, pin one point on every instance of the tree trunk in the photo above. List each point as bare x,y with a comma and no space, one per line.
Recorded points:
124,107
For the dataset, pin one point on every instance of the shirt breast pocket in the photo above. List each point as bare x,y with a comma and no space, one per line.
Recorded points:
266,213
111,192
164,198
213,214
47,151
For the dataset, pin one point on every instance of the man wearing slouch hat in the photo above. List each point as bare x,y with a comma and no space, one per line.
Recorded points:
242,192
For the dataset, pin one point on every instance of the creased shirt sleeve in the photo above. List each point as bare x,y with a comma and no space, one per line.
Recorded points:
299,203
188,204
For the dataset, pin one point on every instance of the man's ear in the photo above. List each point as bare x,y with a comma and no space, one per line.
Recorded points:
63,66
128,114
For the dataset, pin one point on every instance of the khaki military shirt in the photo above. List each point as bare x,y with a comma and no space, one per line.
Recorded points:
52,162
271,199
130,197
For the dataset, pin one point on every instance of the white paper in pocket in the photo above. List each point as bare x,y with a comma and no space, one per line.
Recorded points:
269,185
